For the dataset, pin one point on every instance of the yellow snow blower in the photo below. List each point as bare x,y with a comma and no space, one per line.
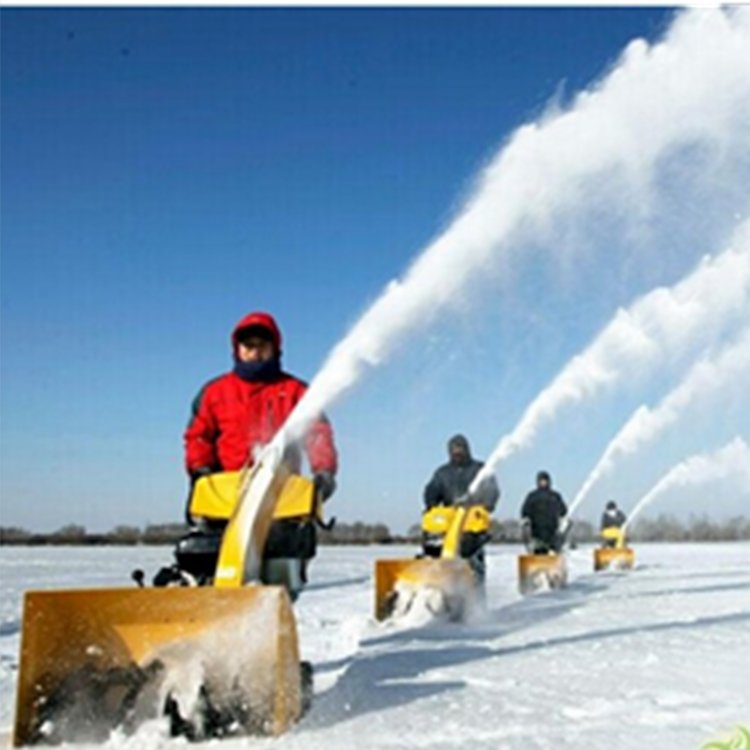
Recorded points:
539,571
212,648
613,553
442,575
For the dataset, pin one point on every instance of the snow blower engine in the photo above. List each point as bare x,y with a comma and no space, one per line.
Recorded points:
289,546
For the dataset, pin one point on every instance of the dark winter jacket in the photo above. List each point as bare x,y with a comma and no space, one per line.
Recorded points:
544,508
452,481
232,415
613,518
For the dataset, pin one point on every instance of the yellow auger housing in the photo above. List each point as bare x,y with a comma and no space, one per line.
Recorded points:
95,659
614,553
541,571
449,575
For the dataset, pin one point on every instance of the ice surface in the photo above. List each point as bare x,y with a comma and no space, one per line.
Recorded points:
654,657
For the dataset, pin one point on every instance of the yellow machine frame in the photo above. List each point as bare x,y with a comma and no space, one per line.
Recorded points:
215,496
440,518
620,556
448,573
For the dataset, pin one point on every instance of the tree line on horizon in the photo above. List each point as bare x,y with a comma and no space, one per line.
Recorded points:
664,528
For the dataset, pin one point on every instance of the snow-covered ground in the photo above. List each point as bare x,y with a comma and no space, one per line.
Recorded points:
656,657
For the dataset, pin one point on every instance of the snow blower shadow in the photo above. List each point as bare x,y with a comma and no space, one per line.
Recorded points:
717,588
600,635
509,618
395,678
718,573
340,583
386,680
10,628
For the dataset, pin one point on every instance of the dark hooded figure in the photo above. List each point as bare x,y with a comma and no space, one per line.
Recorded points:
613,517
450,483
541,513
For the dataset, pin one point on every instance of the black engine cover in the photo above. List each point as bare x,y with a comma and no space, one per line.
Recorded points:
198,552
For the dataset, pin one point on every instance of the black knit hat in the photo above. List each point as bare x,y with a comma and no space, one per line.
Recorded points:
459,441
254,332
543,475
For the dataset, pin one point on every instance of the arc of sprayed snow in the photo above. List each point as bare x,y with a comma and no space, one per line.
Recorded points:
731,460
708,375
657,98
661,323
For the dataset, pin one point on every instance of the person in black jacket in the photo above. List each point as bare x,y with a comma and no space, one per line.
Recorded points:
449,486
450,483
542,511
612,517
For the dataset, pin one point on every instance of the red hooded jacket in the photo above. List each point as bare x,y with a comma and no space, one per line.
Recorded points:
231,416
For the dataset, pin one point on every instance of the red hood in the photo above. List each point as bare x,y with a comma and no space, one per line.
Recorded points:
262,319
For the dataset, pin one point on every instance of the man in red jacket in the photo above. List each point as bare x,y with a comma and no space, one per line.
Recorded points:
240,411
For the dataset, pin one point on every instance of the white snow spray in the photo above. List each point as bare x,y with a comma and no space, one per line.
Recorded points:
731,460
658,99
708,376
662,323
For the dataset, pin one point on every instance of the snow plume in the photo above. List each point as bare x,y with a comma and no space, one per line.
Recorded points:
705,378
659,325
689,91
733,460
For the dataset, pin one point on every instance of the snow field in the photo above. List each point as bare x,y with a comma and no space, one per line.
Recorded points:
654,657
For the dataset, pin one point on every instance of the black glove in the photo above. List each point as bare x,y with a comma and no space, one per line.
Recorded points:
325,484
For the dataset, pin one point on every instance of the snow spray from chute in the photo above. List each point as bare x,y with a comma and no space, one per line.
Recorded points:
658,98
733,460
663,323
708,376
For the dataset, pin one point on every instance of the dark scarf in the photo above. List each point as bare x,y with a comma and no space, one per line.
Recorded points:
254,372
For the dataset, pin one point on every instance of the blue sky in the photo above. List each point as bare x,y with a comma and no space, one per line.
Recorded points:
166,171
